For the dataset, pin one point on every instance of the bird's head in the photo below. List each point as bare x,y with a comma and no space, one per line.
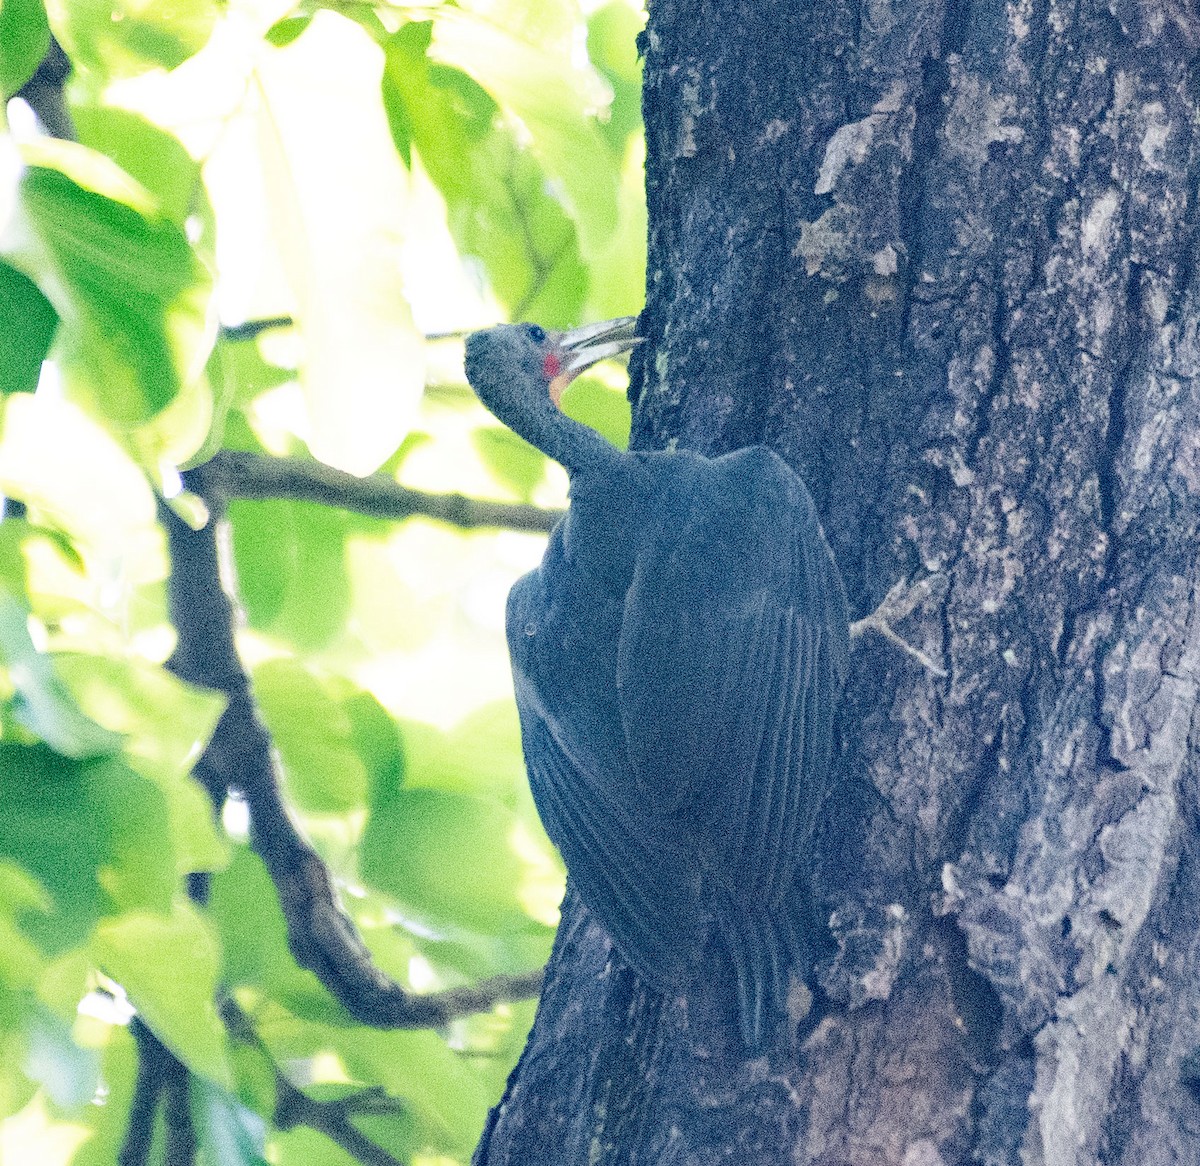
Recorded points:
519,369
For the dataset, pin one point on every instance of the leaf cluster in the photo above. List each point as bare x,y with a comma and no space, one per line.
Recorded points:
271,883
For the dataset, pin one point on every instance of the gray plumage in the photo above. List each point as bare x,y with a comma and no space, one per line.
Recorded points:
678,657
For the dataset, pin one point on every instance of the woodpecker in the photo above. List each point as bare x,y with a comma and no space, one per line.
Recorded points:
678,657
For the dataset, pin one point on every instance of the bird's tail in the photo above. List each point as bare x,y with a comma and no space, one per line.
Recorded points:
767,947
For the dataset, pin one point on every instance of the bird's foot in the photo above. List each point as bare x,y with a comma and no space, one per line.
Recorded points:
899,602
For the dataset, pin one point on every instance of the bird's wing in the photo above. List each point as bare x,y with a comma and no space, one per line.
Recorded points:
643,895
727,678
628,868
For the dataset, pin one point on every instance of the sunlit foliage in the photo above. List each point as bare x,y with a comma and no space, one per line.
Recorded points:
373,181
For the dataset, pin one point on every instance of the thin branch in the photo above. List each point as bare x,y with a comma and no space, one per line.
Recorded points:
235,474
903,598
135,1151
180,1141
321,936
43,92
160,1075
252,329
293,1107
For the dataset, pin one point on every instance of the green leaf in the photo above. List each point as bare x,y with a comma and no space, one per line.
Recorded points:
612,46
511,459
133,292
618,270
551,98
600,408
445,1095
165,722
244,907
24,39
14,534
16,1089
44,704
448,857
392,613
530,246
237,373
227,1133
413,441
376,738
323,772
165,725
291,569
248,371
90,170
66,981
618,264
21,963
149,155
284,31
438,1103
480,755
108,1124
306,1147
254,1077
168,966
119,854
336,191
405,77
73,475
498,204
27,325
128,37
68,1073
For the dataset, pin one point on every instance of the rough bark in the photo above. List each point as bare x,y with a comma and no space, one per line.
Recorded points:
943,258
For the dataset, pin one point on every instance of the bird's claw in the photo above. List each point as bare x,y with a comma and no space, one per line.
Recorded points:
903,598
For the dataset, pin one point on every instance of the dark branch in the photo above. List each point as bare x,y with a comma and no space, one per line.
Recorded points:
234,474
136,1149
252,329
293,1107
161,1075
321,937
43,93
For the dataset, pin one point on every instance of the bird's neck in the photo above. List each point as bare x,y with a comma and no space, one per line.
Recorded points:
578,449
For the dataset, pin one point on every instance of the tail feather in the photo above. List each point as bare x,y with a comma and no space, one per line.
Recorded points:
765,949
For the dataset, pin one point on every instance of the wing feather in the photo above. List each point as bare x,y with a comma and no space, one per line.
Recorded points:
726,702
677,736
630,868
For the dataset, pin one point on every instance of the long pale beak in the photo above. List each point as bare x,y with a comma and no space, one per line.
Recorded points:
582,347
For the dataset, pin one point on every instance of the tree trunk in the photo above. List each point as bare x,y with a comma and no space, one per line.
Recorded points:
942,258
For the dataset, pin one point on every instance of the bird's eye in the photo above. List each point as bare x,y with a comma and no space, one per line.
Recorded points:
536,334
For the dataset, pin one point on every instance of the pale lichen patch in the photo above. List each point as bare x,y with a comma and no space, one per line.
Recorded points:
849,144
825,244
1096,230
884,261
775,129
1158,130
977,117
1018,19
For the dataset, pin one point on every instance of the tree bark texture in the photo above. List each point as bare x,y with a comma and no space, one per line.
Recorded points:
942,257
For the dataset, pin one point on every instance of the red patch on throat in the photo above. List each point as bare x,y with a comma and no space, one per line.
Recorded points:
551,366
